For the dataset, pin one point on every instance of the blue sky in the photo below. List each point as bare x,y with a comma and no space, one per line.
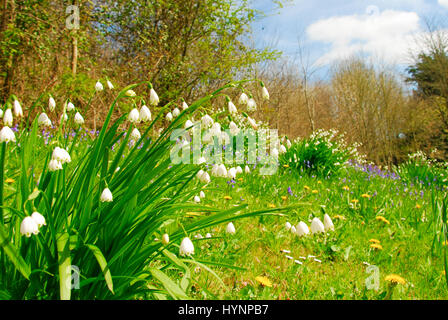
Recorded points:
330,30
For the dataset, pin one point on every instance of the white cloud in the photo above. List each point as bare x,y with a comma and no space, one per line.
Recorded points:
443,3
387,34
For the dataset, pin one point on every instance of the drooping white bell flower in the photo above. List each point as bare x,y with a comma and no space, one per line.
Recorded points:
134,116
51,104
231,173
130,93
29,227
169,116
288,143
186,247
317,226
230,228
165,239
239,170
288,225
243,99
43,120
1,113
79,120
282,149
153,97
18,112
197,199
232,108
293,230
184,105
302,229
216,129
64,117
234,130
265,93
145,114
109,85
99,86
252,123
188,124
61,155
207,121
247,169
70,106
176,112
205,178
251,105
328,223
222,171
202,194
7,135
54,165
106,196
7,118
208,235
39,219
201,160
199,174
135,134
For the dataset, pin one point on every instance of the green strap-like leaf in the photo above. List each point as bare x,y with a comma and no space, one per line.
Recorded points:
64,261
103,265
13,254
171,287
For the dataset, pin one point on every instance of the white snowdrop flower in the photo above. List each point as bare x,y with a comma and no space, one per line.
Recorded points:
188,124
99,86
70,106
328,224
207,121
243,99
274,153
288,143
265,93
298,262
79,120
184,105
201,160
222,171
239,170
7,118
51,103
234,130
109,85
282,149
197,199
199,174
302,229
251,105
198,236
134,116
208,235
216,129
289,257
230,228
165,239
205,178
186,247
1,113
131,93
54,165
285,251
135,134
288,226
317,260
153,97
232,108
224,138
39,219
61,155
106,196
252,123
144,114
169,116
247,169
29,227
43,120
317,226
176,112
202,194
293,230
231,174
7,135
18,112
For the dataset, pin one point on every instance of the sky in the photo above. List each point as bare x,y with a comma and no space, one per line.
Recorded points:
330,30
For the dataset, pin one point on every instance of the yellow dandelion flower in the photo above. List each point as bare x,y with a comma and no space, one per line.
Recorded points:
314,191
338,217
376,246
375,241
286,166
417,206
306,188
9,180
355,201
264,281
381,218
271,205
319,182
346,188
227,198
365,195
240,179
395,279
284,197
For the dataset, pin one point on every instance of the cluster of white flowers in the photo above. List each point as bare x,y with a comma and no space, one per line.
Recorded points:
59,157
31,224
316,226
